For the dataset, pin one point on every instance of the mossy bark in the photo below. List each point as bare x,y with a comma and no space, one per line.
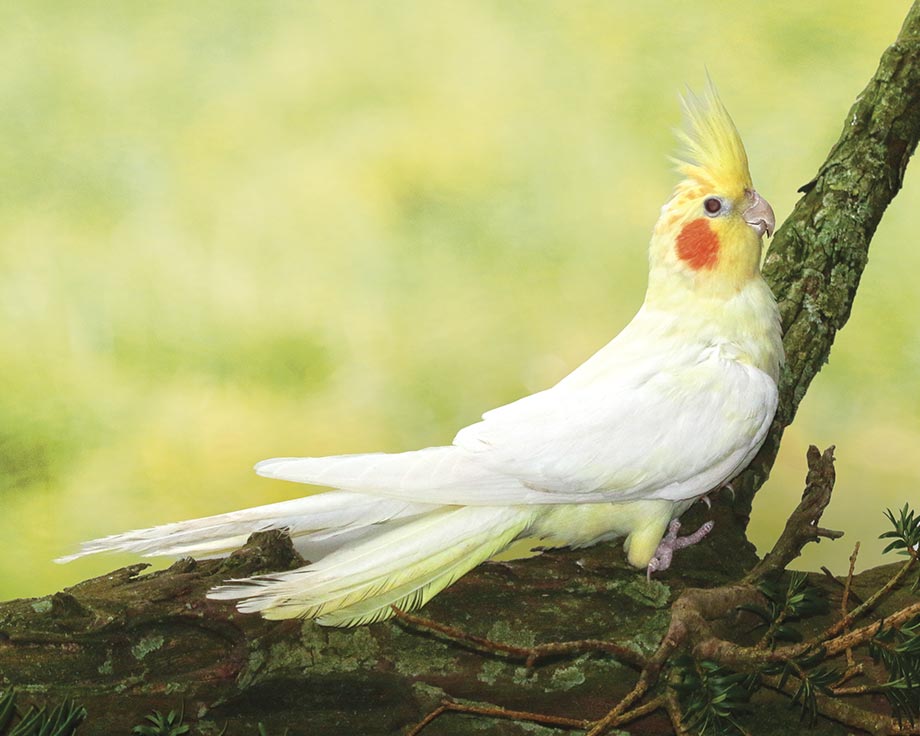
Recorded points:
818,255
127,643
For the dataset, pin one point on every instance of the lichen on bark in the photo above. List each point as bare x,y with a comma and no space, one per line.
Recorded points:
818,254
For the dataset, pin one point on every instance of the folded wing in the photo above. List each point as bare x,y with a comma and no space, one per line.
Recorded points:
671,431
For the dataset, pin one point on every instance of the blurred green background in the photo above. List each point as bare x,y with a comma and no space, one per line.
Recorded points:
235,230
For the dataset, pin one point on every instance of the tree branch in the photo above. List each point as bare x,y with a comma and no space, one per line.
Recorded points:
802,525
818,255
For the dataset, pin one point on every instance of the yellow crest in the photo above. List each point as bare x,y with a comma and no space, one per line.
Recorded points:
712,152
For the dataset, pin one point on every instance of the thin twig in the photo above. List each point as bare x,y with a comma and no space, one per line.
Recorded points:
677,633
420,726
852,671
494,711
833,579
675,712
857,690
870,603
848,586
862,635
767,638
844,610
729,653
850,715
626,716
532,654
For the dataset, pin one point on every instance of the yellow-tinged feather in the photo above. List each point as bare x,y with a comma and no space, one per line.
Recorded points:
351,592
713,155
580,525
418,591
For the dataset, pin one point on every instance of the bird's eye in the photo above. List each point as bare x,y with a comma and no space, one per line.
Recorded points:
712,205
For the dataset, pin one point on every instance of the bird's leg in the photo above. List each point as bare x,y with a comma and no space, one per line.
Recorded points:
670,543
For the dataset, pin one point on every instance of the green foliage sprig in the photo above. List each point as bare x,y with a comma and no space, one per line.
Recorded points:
712,696
906,532
160,725
813,678
899,651
62,720
793,602
172,725
905,535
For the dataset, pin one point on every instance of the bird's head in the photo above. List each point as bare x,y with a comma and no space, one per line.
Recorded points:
709,235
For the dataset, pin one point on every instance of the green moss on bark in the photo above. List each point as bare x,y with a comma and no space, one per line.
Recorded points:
818,255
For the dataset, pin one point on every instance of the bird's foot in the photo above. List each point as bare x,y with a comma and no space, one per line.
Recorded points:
724,487
670,543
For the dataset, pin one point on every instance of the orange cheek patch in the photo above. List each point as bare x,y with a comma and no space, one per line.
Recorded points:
698,245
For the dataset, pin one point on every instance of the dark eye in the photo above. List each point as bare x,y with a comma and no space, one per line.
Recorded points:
712,205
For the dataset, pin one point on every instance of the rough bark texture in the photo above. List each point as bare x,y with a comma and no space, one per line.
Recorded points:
127,643
818,255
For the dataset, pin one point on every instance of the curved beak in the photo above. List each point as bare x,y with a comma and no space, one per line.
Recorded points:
760,215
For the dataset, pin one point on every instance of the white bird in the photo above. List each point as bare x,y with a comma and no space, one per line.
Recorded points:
674,407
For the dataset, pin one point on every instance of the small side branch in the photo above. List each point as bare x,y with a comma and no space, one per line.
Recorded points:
491,711
802,525
530,655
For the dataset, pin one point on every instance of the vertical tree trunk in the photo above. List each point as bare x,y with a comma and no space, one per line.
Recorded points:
819,253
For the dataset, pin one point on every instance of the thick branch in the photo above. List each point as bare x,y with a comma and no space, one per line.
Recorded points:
818,255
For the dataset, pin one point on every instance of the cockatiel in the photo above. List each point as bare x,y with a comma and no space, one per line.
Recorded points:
674,407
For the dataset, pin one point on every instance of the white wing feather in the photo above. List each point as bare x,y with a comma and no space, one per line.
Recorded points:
674,434
632,422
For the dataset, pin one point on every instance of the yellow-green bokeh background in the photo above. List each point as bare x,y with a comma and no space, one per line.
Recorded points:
234,230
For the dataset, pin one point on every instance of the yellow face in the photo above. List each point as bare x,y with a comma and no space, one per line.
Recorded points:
713,234
720,237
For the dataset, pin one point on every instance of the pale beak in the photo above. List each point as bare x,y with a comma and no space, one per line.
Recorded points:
760,215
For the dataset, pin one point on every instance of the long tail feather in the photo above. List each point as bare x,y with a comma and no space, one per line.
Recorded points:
404,567
318,524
